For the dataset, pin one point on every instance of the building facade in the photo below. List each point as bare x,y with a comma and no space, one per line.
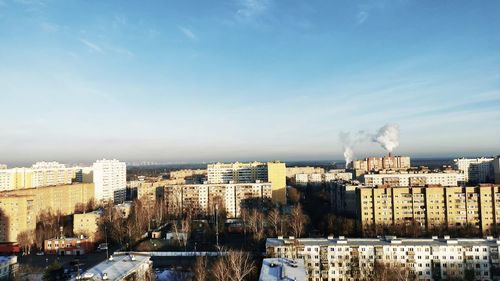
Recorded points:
496,169
339,259
272,172
110,180
68,246
476,170
19,209
412,179
387,162
429,207
39,175
203,198
87,224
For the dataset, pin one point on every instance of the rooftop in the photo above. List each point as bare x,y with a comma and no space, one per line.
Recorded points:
384,241
278,269
118,268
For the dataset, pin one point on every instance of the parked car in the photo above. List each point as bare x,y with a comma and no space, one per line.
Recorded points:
102,247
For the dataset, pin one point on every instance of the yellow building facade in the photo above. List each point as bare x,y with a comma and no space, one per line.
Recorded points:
431,207
19,208
87,224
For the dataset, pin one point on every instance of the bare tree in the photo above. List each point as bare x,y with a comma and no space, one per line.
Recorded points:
297,221
199,270
26,239
275,220
234,266
255,223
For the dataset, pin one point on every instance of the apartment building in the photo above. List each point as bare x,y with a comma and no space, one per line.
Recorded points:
413,178
387,162
272,172
496,169
317,178
87,224
39,175
476,170
292,171
428,207
203,198
185,173
19,208
110,180
339,259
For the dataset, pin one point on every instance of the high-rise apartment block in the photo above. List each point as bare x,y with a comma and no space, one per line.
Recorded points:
429,207
341,259
496,169
273,172
476,170
204,198
110,180
39,175
387,162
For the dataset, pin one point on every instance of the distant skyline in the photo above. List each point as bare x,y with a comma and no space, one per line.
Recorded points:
194,81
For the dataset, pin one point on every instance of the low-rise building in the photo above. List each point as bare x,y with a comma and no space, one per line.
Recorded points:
121,266
68,246
8,267
363,258
320,178
282,269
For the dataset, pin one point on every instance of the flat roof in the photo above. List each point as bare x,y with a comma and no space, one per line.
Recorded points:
384,241
277,269
121,266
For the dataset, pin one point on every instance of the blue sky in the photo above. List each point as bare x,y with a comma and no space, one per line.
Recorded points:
181,81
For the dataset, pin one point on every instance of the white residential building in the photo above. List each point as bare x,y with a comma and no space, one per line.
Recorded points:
203,198
39,175
318,178
476,170
110,180
336,259
496,169
412,179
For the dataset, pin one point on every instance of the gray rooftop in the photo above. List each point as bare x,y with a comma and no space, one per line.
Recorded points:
383,241
120,267
278,269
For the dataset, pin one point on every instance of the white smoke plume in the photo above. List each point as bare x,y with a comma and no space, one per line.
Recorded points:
349,141
388,137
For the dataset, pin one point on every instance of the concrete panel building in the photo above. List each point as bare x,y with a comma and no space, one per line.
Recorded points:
476,170
336,259
110,180
202,198
273,172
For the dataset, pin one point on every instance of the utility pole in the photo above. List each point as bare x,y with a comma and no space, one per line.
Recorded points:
107,246
217,225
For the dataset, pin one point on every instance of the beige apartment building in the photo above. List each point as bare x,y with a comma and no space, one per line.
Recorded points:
87,224
429,207
203,198
413,178
19,208
185,173
39,175
273,172
387,162
292,171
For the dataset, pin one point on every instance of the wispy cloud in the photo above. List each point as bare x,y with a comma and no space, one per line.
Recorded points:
250,9
92,46
49,27
188,33
362,16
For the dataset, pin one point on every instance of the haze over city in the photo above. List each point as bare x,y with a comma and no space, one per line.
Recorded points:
180,81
